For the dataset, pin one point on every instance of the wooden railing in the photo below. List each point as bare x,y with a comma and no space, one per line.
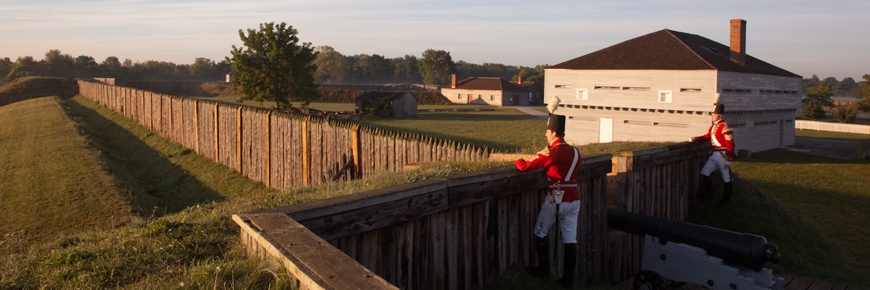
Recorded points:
456,232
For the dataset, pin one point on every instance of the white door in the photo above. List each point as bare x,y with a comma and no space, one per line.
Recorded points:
605,130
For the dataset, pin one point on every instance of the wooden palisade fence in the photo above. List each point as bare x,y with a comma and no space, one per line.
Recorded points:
659,182
456,232
280,149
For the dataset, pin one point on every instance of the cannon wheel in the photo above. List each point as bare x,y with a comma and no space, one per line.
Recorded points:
647,280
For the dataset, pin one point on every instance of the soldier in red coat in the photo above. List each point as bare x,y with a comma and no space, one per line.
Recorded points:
722,139
562,204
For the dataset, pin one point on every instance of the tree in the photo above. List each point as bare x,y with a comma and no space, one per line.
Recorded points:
846,113
332,67
273,66
436,67
830,82
846,87
811,82
59,64
203,68
864,93
818,97
406,69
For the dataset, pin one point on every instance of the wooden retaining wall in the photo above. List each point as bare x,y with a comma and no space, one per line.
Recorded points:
456,232
281,150
659,182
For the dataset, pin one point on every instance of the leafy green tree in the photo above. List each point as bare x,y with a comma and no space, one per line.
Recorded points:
830,82
846,113
59,64
203,68
846,87
818,98
864,93
436,66
273,66
821,94
813,111
811,82
332,67
372,68
5,67
23,66
406,69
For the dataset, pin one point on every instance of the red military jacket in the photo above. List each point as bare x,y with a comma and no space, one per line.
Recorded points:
721,137
562,165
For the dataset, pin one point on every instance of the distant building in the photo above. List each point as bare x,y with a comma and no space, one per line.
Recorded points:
402,104
493,91
662,86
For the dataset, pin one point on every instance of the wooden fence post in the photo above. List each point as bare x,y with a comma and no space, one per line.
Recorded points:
268,149
217,133
239,138
196,124
356,144
305,150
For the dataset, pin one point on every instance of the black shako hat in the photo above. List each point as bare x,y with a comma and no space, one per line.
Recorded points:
556,123
719,109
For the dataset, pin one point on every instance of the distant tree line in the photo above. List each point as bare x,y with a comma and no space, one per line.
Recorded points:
434,68
819,95
58,64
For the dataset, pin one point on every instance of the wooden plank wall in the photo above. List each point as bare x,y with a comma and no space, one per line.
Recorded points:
267,146
456,232
660,182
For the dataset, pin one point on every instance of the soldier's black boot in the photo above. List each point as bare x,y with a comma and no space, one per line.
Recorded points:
708,186
726,197
567,279
543,269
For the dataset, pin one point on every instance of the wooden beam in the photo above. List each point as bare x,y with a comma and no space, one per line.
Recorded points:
313,261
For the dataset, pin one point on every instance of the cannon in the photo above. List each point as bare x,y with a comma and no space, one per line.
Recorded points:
710,257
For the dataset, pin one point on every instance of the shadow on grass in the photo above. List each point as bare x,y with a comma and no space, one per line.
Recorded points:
156,186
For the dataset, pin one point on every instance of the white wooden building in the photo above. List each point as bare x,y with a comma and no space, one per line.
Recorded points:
493,91
662,86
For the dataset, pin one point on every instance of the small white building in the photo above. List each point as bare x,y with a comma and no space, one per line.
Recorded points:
662,86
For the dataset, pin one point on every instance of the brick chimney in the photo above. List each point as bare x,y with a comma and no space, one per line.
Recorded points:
519,79
738,41
452,81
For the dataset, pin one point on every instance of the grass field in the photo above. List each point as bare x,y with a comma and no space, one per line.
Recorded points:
831,135
51,180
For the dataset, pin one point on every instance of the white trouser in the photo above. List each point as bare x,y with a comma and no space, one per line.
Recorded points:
568,213
717,161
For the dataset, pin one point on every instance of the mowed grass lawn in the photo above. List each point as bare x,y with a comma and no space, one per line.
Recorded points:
51,182
831,195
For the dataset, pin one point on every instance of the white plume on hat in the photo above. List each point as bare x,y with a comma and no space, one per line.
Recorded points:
553,104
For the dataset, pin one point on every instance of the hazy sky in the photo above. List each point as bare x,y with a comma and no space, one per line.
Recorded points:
804,37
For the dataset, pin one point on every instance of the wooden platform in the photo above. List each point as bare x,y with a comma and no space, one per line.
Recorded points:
791,283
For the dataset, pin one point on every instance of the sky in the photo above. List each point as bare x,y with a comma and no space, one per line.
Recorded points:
824,38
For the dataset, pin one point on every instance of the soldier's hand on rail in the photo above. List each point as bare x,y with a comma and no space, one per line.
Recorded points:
545,152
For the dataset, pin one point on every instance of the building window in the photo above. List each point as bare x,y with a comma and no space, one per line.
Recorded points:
582,94
665,96
563,86
491,98
690,90
458,96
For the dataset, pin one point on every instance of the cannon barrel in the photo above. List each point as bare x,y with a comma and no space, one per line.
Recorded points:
743,249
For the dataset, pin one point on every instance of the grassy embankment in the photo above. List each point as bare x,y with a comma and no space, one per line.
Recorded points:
182,238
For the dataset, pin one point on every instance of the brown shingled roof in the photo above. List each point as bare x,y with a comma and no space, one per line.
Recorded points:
670,50
487,83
